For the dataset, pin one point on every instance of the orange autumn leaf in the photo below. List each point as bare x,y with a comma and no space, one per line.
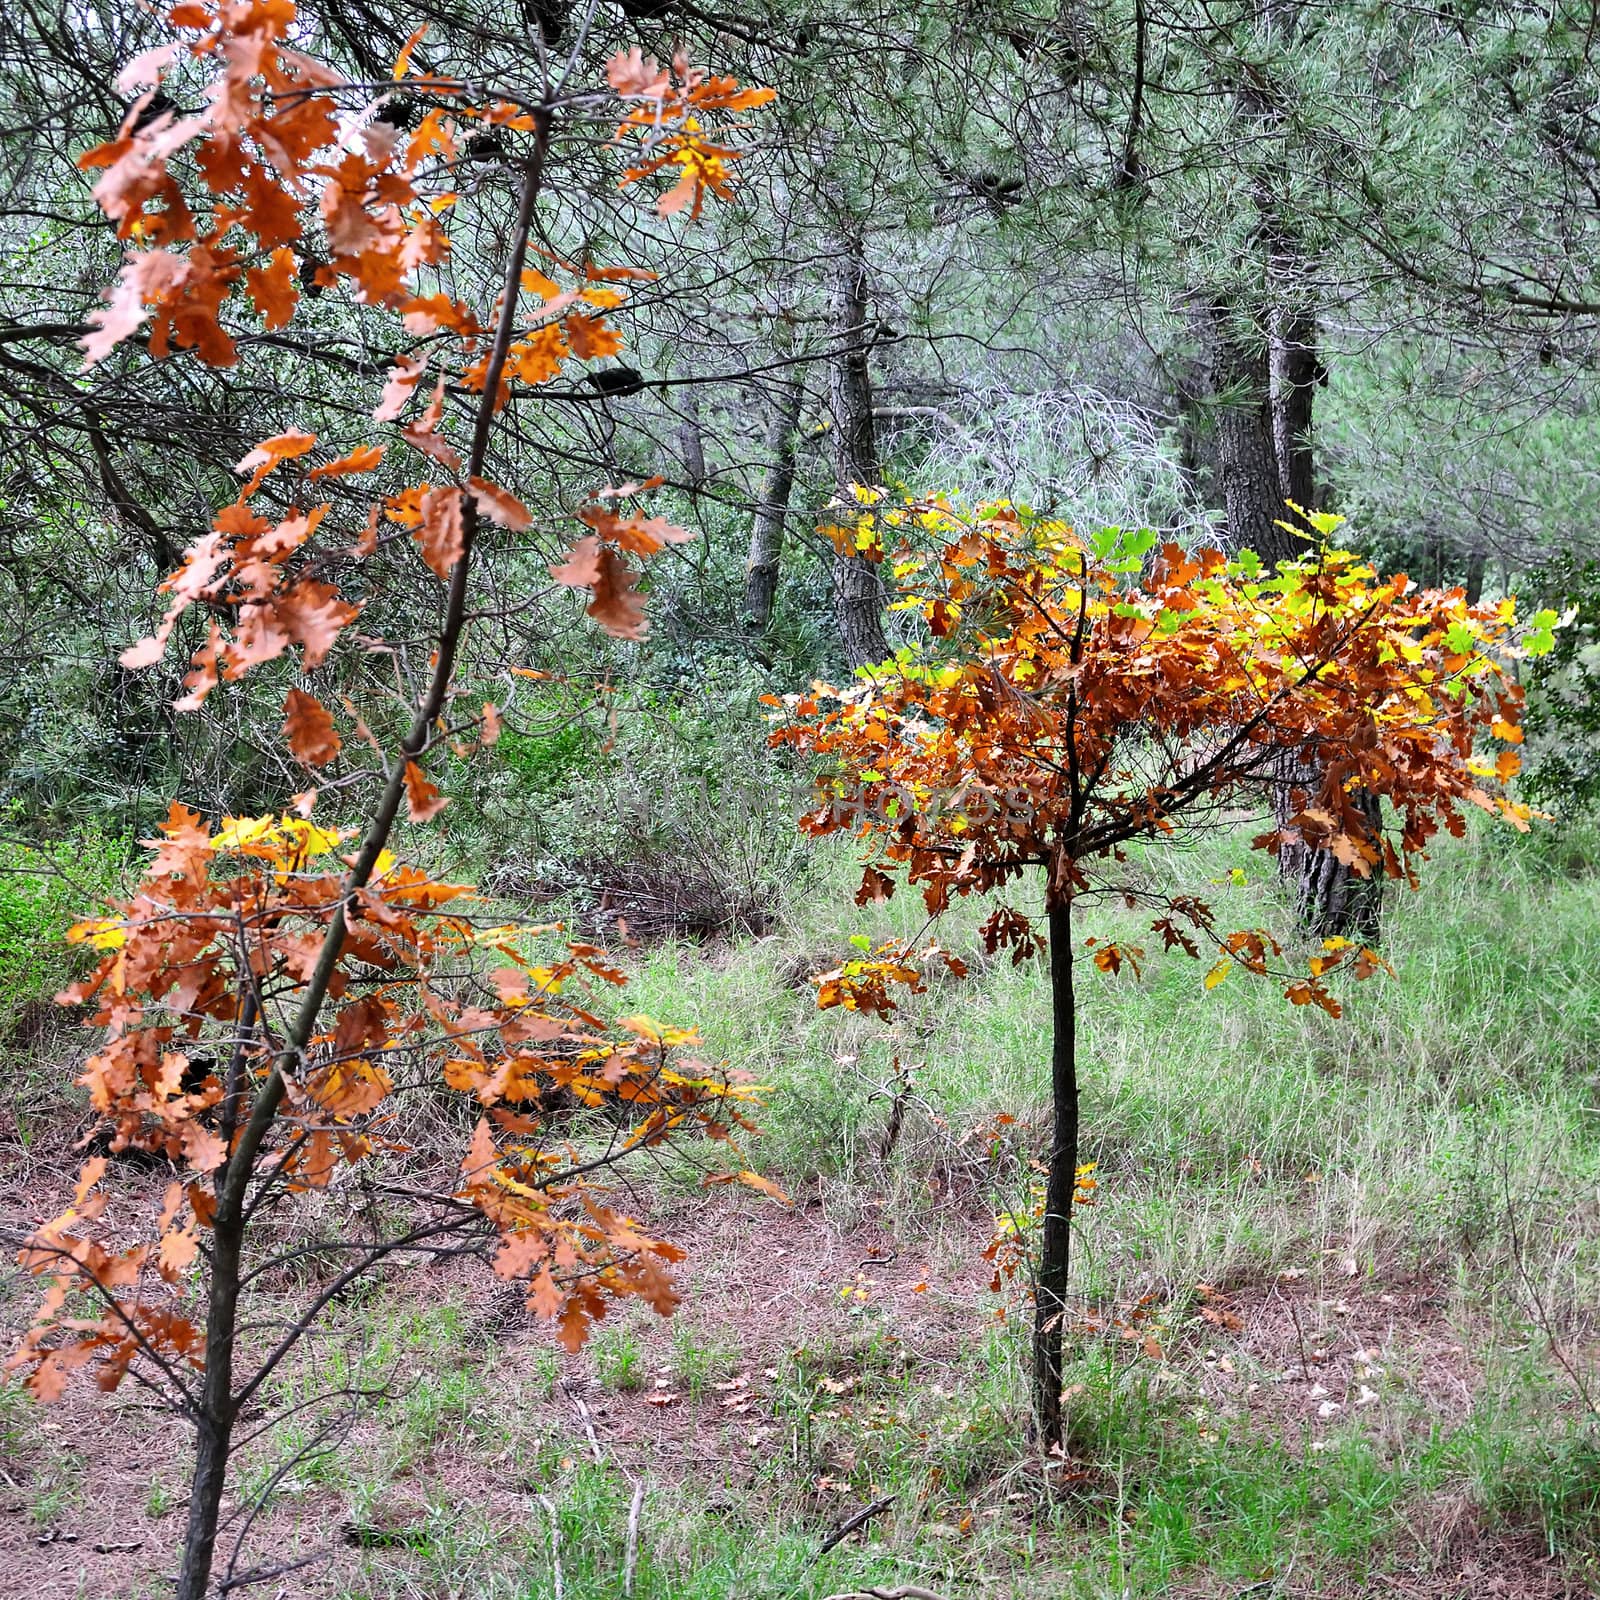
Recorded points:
591,338
751,1180
544,1298
617,604
402,62
423,800
581,569
432,443
572,1327
399,388
537,357
500,505
274,290
206,1152
271,453
308,727
179,1249
440,534
364,458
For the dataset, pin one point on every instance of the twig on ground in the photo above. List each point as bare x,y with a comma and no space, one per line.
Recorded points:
859,1520
631,1553
1300,1336
906,1592
586,1417
558,1584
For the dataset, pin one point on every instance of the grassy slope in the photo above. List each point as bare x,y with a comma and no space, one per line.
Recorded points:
1402,1203
1444,1133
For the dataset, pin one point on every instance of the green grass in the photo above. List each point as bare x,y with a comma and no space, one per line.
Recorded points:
1444,1135
1233,1131
618,1358
44,887
701,1356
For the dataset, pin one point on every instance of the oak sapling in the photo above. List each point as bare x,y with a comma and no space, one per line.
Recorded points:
1071,697
275,985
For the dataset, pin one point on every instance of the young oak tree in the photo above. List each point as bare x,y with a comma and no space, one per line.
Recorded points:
1071,699
275,986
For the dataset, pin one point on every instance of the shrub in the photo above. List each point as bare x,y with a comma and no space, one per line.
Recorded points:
43,887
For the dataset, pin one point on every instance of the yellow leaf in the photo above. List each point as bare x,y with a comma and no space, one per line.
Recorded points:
103,933
754,1180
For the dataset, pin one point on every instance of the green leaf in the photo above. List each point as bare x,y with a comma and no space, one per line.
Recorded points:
1104,541
1542,639
1136,546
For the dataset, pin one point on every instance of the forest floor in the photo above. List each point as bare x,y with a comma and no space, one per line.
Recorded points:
1338,1313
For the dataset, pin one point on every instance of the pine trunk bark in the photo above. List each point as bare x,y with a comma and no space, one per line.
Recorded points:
1248,471
857,588
1477,564
691,441
766,530
1297,374
1252,426
1061,1183
1332,900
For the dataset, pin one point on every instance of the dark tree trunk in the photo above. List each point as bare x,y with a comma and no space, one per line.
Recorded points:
1249,479
766,530
1331,898
1061,1183
1191,395
1254,483
1297,374
857,588
1477,563
214,1424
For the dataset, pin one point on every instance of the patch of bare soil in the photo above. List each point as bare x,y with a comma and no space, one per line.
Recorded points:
1301,1353
77,1514
1299,1356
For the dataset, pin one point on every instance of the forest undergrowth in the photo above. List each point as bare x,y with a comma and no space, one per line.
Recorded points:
1335,1303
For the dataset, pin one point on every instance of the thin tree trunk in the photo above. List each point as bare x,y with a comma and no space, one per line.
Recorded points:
1296,385
214,1426
1055,1249
857,588
691,441
766,530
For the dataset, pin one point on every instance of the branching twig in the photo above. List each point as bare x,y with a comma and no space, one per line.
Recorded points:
859,1520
